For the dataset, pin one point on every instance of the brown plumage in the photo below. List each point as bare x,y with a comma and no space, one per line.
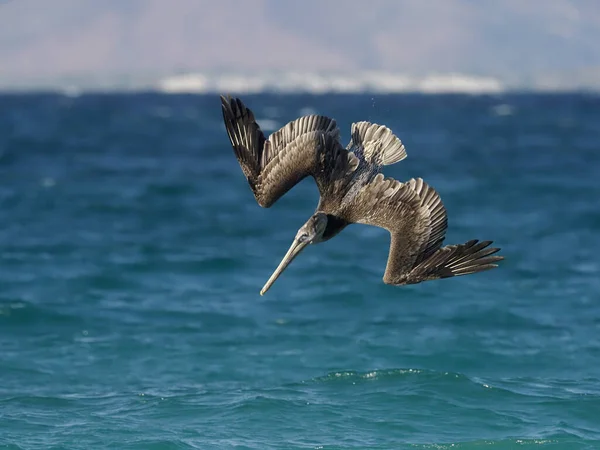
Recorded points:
352,190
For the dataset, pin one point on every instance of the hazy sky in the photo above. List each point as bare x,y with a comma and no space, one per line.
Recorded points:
504,38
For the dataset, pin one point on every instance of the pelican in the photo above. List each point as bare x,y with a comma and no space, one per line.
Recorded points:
352,190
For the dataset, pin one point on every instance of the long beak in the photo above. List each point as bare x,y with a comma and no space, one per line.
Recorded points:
294,251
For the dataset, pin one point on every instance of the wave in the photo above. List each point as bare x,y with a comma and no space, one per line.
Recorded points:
353,376
21,313
320,83
550,388
563,442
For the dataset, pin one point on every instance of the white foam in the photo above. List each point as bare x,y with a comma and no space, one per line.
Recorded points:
460,83
503,110
184,83
319,83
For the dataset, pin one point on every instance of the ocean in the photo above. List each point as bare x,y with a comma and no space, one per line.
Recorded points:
132,255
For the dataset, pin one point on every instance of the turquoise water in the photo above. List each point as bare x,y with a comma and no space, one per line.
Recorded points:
133,251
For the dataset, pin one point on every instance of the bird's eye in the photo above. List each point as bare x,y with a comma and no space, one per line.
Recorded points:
303,237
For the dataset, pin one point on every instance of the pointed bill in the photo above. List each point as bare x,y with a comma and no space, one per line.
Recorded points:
294,251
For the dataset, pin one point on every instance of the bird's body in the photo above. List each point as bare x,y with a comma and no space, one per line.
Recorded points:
352,190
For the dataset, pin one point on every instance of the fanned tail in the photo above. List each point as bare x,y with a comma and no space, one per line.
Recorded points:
376,144
455,260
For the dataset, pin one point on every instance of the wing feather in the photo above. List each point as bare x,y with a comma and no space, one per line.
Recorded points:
306,146
246,137
412,212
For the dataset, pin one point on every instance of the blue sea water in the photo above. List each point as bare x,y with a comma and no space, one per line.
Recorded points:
132,255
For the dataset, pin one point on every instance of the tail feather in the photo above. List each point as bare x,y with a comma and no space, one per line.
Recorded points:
456,260
377,144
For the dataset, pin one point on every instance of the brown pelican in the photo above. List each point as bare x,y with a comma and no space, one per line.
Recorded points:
353,190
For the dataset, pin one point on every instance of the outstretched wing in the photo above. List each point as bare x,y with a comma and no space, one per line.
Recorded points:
412,212
306,146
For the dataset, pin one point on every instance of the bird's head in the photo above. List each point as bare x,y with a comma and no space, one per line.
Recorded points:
310,233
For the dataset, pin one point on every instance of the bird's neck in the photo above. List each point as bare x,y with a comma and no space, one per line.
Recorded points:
334,226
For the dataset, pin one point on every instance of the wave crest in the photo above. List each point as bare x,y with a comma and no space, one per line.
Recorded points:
321,83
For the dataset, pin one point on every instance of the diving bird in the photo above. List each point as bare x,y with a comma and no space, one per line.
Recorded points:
352,190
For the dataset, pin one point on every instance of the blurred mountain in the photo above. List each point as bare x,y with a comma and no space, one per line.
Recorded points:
509,39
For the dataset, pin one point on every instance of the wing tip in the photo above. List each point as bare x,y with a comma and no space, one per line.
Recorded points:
226,99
